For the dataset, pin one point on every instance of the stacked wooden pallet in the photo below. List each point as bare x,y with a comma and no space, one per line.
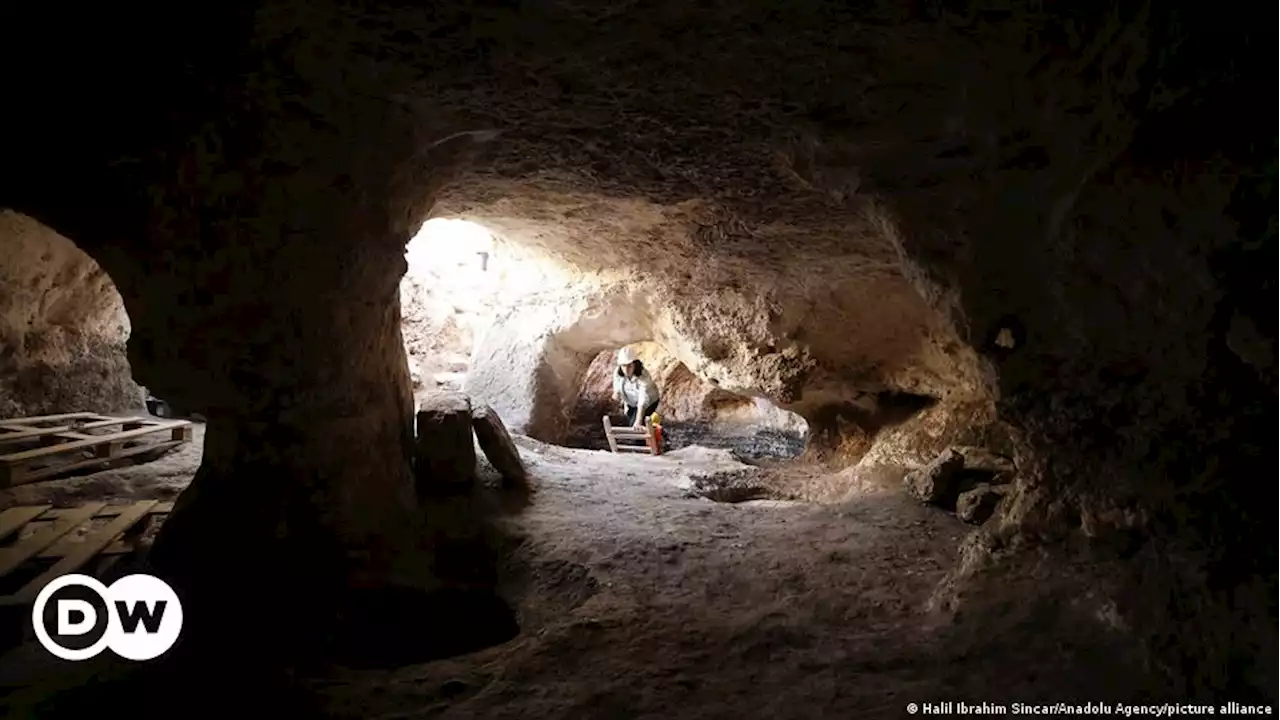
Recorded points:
37,448
71,538
619,435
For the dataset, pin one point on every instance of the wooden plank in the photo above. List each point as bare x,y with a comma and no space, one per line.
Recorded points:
116,421
119,547
50,418
106,511
14,518
608,434
67,545
28,475
633,448
89,547
66,447
74,436
76,432
27,433
11,558
11,430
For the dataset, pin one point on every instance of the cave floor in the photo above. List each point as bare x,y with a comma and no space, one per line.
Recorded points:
639,601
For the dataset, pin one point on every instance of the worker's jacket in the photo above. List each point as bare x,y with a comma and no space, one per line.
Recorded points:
637,392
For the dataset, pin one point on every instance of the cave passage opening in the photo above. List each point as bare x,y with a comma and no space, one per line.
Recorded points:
446,299
64,328
65,371
524,311
460,276
511,326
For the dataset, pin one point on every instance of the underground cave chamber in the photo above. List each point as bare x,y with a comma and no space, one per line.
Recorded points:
841,213
65,328
518,312
452,281
68,399
459,277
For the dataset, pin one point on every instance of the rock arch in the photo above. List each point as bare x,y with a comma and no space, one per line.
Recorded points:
63,327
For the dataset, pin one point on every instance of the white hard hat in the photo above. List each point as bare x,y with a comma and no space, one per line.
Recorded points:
625,357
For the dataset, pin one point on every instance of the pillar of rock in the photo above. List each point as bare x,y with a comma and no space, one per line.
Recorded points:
275,312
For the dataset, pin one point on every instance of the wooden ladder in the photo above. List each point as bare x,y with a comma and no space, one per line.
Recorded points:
618,435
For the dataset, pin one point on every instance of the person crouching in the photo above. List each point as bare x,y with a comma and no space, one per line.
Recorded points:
634,387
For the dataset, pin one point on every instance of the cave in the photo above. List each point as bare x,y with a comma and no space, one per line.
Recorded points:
65,327
965,311
460,277
64,330
447,295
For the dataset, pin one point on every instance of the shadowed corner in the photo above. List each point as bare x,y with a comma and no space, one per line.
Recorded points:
392,627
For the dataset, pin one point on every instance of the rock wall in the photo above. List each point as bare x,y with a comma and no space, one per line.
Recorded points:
63,328
739,309
685,397
1133,413
531,361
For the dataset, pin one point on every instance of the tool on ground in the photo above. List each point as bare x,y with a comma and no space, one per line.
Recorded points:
655,436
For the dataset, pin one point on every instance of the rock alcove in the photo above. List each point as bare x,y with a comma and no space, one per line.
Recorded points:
459,278
917,227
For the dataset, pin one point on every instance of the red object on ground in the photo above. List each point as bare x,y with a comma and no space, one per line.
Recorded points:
657,439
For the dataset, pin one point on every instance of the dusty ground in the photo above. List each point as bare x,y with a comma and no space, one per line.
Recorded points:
637,600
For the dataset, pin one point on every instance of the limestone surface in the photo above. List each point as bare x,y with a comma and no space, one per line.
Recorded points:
63,328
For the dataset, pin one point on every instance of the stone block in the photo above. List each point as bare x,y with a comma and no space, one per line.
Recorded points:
983,460
445,455
498,446
976,506
936,483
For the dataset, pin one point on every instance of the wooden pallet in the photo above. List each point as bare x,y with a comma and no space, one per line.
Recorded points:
70,537
618,435
37,448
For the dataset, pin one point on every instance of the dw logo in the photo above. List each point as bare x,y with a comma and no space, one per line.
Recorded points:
76,617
